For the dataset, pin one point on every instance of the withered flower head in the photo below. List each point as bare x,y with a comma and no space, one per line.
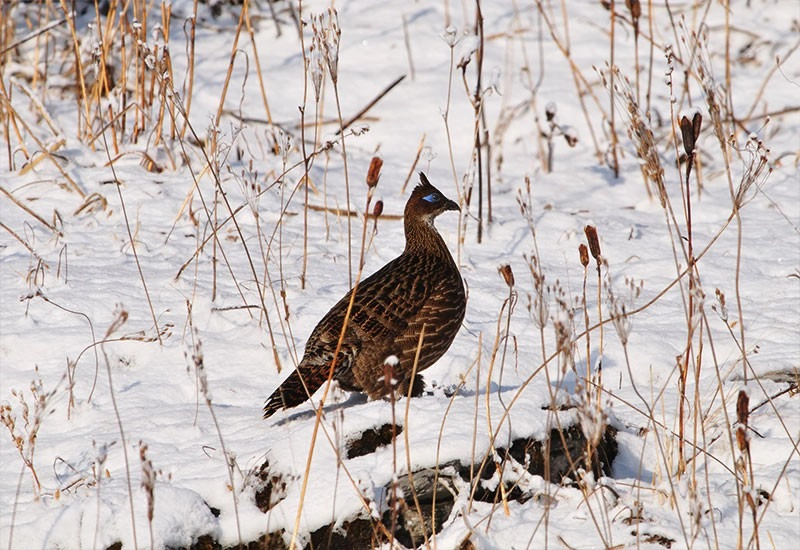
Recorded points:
594,241
508,274
690,131
374,172
584,253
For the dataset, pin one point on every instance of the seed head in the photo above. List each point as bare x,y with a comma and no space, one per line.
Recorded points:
374,172
690,131
550,111
635,8
742,407
594,242
584,253
508,274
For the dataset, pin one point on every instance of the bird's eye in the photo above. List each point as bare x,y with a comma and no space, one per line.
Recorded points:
433,197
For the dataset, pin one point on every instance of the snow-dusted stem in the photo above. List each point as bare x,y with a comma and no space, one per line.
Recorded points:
451,40
119,320
200,373
613,130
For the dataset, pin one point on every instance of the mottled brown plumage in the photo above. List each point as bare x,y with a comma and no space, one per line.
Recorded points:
420,288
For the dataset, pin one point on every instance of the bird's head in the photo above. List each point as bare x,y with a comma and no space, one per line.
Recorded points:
426,202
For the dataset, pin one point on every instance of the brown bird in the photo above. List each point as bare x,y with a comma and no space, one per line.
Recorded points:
419,290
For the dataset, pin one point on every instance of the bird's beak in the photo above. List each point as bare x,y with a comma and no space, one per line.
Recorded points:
452,205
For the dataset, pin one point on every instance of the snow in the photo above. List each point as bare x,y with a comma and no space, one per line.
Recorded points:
117,336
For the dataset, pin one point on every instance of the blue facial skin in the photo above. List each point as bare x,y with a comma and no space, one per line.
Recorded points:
433,197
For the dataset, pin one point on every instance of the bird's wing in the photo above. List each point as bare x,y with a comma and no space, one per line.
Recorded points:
383,305
386,301
441,317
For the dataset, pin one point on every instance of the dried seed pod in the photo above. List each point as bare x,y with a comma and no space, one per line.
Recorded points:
635,8
690,131
570,135
584,253
741,438
742,407
550,111
374,172
697,121
721,307
594,241
377,210
742,414
508,274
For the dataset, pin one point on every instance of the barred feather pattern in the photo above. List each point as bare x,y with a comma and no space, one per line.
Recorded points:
420,290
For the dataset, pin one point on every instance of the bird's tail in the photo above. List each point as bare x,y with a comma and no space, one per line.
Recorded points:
295,390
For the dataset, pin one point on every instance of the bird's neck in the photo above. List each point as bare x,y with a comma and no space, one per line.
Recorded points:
422,238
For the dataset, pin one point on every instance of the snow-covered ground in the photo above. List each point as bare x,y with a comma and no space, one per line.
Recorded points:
138,343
